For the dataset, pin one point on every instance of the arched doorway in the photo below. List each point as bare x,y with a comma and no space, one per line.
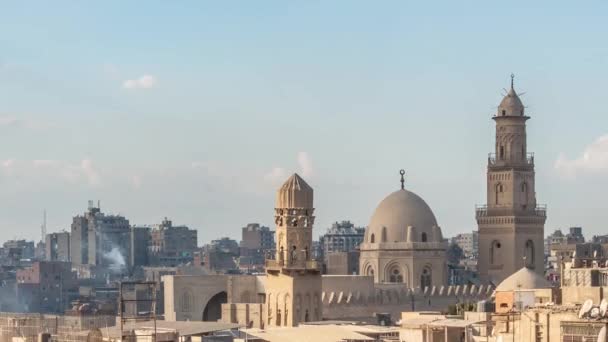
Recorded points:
213,309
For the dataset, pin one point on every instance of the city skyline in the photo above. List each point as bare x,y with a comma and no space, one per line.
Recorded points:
194,119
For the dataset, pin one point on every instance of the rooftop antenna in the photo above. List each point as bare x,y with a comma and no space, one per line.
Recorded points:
402,173
43,227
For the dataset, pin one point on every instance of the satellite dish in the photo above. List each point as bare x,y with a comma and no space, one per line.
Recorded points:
601,336
587,305
595,312
603,307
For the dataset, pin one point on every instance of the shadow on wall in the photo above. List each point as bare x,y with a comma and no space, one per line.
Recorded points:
213,309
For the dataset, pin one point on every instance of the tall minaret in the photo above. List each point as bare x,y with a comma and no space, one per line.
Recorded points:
511,224
293,279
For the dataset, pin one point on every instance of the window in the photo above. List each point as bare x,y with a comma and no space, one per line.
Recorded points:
494,252
395,276
383,234
529,254
423,237
501,153
504,112
425,278
372,239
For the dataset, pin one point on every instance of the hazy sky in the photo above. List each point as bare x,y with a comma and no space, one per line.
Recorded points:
198,110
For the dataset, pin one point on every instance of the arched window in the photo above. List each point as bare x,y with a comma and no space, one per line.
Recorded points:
186,301
425,278
372,238
501,153
494,251
529,254
497,193
395,276
423,237
504,112
383,234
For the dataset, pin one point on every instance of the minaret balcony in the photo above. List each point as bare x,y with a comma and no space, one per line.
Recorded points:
493,161
540,210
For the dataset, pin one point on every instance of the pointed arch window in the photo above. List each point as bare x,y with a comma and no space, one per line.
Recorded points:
423,237
372,238
494,250
529,254
426,278
497,192
383,234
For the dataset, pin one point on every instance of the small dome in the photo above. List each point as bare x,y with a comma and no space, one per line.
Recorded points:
511,105
294,193
524,279
403,217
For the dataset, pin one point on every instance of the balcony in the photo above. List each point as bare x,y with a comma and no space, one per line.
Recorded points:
501,162
540,210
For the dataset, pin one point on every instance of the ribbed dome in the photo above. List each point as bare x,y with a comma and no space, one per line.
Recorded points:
405,217
524,279
294,193
511,105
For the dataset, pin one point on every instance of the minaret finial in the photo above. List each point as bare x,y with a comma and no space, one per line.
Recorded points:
512,77
402,173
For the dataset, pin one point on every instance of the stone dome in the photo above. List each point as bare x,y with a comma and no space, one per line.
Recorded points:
403,217
524,279
294,193
511,105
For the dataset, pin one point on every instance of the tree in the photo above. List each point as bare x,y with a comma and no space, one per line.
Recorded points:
454,254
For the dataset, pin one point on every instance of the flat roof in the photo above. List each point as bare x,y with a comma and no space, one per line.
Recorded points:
318,333
453,323
182,328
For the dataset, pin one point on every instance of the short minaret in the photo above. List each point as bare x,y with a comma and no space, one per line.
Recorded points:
293,279
511,224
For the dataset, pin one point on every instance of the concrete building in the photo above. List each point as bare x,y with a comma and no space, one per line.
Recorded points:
221,255
511,224
341,237
469,243
575,235
140,241
171,245
14,252
44,286
256,243
403,243
342,263
57,246
100,239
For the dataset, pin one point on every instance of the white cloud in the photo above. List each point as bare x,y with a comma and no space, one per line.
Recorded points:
136,181
91,174
277,174
42,170
10,121
305,164
593,159
144,82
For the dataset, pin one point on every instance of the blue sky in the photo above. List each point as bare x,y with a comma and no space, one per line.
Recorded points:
198,110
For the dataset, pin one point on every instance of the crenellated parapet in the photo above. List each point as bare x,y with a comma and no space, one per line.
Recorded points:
403,295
